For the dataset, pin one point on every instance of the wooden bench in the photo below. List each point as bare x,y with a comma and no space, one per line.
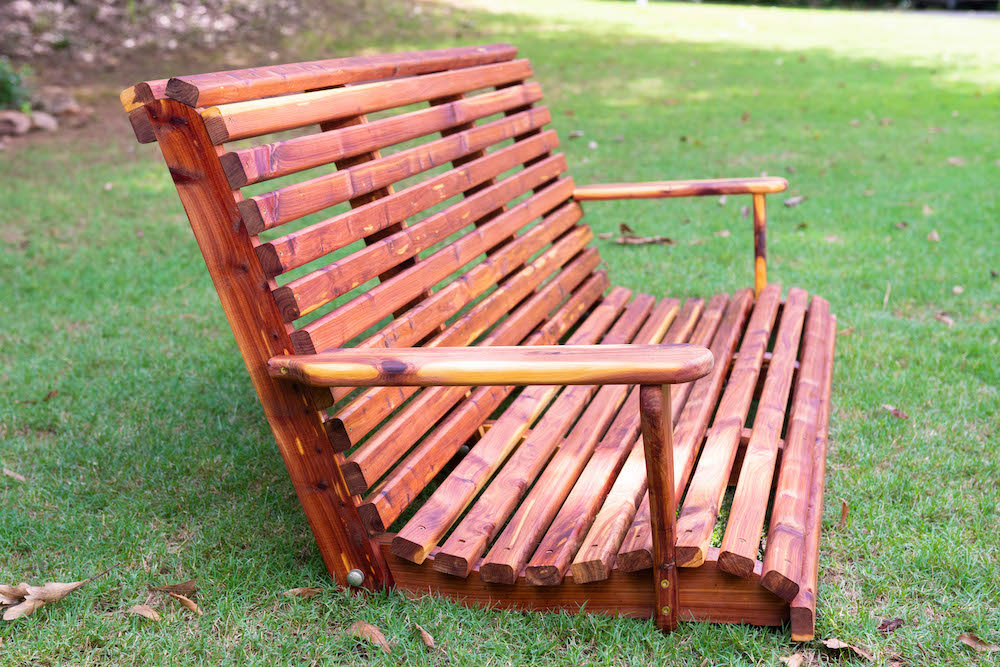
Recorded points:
464,406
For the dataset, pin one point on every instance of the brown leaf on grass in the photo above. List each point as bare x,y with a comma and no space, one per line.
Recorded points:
187,602
793,660
724,233
976,644
722,200
846,332
894,411
957,289
745,211
53,591
801,226
10,473
8,601
956,161
836,645
794,201
933,237
831,238
927,210
25,608
606,235
902,224
629,237
745,116
303,592
576,134
945,319
855,122
19,591
845,511
885,121
889,626
426,637
188,588
49,396
145,611
369,633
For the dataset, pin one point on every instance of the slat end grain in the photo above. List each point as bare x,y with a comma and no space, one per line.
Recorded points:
691,556
780,585
407,549
355,477
498,573
337,432
235,172
269,261
456,566
180,90
634,561
543,575
585,572
253,219
217,126
737,564
803,622
371,519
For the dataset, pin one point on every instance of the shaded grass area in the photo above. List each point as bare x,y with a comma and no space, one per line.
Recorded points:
153,457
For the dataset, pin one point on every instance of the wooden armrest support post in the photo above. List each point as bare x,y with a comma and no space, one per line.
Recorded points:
503,366
758,187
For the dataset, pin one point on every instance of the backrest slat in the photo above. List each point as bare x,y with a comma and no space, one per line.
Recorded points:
306,294
241,120
260,163
238,85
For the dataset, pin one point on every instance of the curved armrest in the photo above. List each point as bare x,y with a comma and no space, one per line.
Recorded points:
474,366
659,189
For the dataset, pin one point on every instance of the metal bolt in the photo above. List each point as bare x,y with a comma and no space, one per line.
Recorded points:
665,610
355,578
664,583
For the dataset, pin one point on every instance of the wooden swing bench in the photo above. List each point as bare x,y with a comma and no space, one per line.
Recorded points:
446,361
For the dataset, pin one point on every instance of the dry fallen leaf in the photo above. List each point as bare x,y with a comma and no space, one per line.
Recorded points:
188,588
605,235
303,592
576,134
802,225
426,637
855,123
844,512
370,633
889,626
933,236
928,210
145,611
722,200
957,289
745,211
187,602
793,660
629,237
956,161
846,332
745,116
25,608
976,644
19,591
724,233
53,591
943,318
794,201
902,224
10,473
894,411
831,238
837,645
8,601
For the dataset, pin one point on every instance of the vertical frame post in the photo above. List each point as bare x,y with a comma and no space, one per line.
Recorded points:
759,244
658,443
261,333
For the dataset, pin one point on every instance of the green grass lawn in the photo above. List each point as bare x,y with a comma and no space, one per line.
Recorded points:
127,409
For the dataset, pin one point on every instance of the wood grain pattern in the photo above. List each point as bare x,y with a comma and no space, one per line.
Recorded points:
783,556
247,166
697,188
240,120
759,244
738,552
704,495
803,607
245,84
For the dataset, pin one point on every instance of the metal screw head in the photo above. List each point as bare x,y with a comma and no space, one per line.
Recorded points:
664,583
665,610
355,577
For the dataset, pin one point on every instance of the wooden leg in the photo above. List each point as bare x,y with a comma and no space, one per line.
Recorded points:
658,440
759,244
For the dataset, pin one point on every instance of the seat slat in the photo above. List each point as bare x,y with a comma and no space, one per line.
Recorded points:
299,199
704,495
422,532
738,554
304,295
636,550
803,607
512,549
240,120
247,166
471,537
391,496
356,419
783,555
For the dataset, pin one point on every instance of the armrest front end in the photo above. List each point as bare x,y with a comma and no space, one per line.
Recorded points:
481,366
